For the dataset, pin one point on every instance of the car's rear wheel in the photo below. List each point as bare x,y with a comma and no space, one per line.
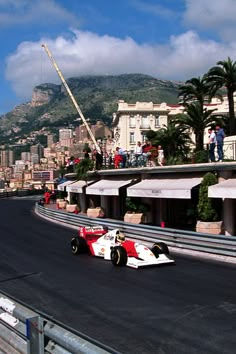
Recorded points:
119,256
159,248
78,245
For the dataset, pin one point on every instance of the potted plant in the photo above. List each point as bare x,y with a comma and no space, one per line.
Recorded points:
208,210
135,211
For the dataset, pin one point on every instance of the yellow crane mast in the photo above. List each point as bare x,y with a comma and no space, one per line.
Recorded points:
72,97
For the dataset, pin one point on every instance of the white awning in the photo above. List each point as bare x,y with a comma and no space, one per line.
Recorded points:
226,189
106,187
61,186
77,187
164,188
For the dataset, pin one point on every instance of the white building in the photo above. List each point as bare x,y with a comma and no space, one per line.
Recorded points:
131,122
66,137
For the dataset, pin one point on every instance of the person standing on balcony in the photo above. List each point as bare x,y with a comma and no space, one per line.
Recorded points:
220,135
160,157
212,144
138,151
146,151
122,153
98,160
117,158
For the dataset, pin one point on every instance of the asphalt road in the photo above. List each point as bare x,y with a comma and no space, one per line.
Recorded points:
186,308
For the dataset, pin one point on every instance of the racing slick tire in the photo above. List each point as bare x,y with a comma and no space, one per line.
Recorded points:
119,256
78,245
159,248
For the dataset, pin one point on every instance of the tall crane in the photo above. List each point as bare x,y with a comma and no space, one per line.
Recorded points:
72,97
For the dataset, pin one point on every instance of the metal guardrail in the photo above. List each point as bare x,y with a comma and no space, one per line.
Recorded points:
7,194
216,244
25,331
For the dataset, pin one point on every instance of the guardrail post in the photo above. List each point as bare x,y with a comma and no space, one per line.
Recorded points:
35,335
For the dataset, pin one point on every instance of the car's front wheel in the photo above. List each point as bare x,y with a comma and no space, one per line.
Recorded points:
159,248
78,245
119,256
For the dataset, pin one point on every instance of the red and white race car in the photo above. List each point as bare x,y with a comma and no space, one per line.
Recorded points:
112,245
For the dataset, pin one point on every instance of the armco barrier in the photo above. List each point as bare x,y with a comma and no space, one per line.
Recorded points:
25,331
216,244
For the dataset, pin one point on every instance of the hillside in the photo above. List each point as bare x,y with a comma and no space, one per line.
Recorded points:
97,96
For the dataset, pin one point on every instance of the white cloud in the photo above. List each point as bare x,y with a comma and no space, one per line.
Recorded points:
24,12
218,16
185,56
154,9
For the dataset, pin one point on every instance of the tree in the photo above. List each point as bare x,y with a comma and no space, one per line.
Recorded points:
206,208
174,140
197,89
224,75
197,119
82,169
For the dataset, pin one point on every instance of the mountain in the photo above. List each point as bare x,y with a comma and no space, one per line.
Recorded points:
51,107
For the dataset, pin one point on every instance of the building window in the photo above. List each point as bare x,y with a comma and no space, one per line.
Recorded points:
132,122
131,138
144,138
157,121
145,123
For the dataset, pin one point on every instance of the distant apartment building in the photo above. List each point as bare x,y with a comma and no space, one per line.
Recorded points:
26,156
34,158
66,137
99,131
49,153
36,153
6,158
50,140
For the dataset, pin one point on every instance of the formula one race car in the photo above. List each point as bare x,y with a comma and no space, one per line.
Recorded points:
112,245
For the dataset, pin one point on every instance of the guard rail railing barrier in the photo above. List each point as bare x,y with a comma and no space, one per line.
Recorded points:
217,244
25,331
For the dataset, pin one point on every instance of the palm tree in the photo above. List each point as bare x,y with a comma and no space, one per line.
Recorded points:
224,75
174,140
197,89
197,119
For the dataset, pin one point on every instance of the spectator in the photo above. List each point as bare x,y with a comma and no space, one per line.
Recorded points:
98,159
146,147
220,135
160,156
41,202
122,153
47,196
212,144
117,158
146,151
53,196
138,151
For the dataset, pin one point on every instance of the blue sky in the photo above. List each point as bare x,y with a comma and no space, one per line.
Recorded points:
167,39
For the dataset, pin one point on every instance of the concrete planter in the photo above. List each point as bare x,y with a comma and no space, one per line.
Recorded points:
62,204
135,218
71,208
210,227
95,212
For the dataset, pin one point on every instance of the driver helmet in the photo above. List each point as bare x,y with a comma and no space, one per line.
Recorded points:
120,237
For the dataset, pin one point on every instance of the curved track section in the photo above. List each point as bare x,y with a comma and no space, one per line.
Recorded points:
186,308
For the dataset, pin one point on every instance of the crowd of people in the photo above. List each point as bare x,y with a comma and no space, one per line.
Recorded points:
143,155
216,140
147,155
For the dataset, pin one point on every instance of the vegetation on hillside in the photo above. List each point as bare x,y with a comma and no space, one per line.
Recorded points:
97,97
